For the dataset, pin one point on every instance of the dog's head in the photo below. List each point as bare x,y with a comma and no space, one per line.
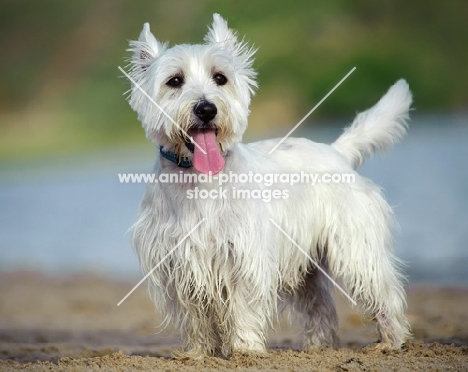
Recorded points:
197,93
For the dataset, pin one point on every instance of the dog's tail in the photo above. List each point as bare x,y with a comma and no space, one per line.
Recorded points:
378,128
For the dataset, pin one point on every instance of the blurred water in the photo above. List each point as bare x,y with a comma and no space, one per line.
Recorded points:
71,214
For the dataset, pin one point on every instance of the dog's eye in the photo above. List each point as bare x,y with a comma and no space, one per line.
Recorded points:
220,79
175,82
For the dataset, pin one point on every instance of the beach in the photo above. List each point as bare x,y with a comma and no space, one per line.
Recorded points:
73,323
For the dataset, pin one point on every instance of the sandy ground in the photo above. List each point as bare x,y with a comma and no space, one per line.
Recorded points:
74,324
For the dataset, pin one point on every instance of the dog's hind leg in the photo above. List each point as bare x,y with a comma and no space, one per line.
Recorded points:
360,252
382,296
314,304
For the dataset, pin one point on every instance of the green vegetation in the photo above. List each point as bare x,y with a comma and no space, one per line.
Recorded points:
61,91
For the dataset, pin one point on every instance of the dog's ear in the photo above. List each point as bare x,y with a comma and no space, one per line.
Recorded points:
219,33
146,49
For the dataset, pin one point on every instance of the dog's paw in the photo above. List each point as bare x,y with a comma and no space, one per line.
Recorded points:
386,347
249,346
315,344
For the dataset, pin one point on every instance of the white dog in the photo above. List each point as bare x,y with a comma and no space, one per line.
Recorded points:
222,264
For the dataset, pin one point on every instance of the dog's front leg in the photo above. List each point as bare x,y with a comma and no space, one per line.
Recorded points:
251,316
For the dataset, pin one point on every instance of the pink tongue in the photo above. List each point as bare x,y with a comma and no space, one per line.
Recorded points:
212,161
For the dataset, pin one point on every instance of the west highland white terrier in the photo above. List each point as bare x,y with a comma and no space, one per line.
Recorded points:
222,260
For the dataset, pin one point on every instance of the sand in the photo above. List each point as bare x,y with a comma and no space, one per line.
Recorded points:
73,323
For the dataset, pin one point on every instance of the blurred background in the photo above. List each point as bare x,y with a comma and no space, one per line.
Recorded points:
66,130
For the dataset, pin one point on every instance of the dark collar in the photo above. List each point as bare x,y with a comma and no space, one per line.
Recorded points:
183,162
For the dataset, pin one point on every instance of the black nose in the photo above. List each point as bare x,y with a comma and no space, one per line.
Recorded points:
206,111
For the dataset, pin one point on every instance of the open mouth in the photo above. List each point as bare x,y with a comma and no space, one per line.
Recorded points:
189,144
207,156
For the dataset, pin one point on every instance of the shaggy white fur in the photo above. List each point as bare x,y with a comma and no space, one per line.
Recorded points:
221,286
